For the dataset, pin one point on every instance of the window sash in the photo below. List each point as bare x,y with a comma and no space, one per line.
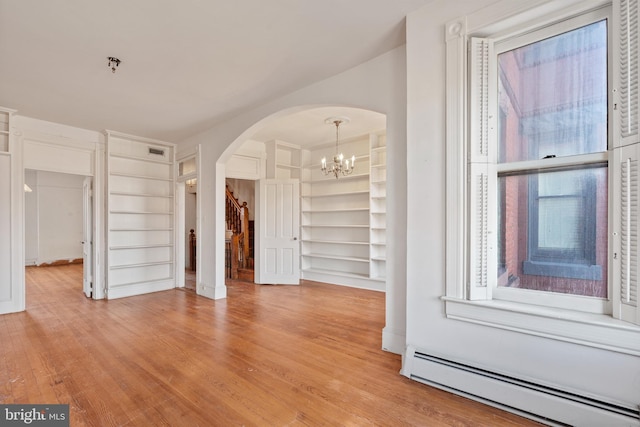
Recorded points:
484,240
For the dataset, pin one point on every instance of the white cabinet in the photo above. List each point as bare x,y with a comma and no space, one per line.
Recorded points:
140,215
343,220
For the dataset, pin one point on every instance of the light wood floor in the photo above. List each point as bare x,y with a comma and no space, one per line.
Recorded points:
265,356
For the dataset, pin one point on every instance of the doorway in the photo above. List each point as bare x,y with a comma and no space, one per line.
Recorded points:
186,222
59,223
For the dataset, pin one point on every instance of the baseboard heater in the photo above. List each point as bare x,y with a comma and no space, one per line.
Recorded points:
541,403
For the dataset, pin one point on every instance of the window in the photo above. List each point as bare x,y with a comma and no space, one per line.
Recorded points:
543,179
552,97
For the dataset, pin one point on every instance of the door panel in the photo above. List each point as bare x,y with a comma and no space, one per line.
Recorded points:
277,244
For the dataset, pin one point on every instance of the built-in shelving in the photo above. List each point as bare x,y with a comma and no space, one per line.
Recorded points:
337,216
5,128
284,160
378,203
140,215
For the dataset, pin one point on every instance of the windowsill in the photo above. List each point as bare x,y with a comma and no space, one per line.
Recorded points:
594,330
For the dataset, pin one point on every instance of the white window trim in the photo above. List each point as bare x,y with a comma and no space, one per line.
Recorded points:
595,330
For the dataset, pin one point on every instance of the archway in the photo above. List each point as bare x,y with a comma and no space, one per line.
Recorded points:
353,251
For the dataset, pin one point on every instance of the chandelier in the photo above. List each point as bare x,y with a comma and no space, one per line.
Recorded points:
340,165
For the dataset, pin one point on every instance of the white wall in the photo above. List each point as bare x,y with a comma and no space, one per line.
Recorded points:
378,85
608,375
31,219
53,217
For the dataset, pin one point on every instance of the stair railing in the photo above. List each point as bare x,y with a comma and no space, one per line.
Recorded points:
237,217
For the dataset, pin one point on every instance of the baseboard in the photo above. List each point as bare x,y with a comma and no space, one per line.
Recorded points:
539,402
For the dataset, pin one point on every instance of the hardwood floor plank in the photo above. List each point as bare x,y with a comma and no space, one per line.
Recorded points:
265,356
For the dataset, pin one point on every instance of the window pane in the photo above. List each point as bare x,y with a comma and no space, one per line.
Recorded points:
561,210
553,231
553,96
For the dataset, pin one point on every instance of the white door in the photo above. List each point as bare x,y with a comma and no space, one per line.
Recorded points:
87,236
277,248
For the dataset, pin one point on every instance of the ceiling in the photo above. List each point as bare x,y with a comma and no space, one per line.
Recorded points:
185,64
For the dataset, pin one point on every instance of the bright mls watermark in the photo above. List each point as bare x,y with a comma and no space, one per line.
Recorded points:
34,415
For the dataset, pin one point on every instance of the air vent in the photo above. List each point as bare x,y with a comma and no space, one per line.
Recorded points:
156,151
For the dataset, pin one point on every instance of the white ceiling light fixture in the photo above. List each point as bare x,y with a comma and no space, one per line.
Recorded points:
27,189
113,63
340,165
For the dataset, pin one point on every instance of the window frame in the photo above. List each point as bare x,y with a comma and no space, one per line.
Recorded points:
513,40
467,298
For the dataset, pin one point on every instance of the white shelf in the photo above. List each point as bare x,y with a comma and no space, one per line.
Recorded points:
351,193
162,245
124,193
336,257
140,282
335,273
336,242
141,229
142,264
283,160
140,212
137,176
311,211
378,198
335,226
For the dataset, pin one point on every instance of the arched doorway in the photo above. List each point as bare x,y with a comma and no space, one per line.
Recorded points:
342,234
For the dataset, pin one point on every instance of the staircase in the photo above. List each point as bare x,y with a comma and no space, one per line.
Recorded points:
239,241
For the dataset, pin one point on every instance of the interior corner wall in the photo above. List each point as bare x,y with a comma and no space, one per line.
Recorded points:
378,85
587,371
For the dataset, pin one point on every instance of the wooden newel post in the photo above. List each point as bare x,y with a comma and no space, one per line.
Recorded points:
192,249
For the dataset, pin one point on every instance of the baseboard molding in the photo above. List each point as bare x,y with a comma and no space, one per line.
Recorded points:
539,402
